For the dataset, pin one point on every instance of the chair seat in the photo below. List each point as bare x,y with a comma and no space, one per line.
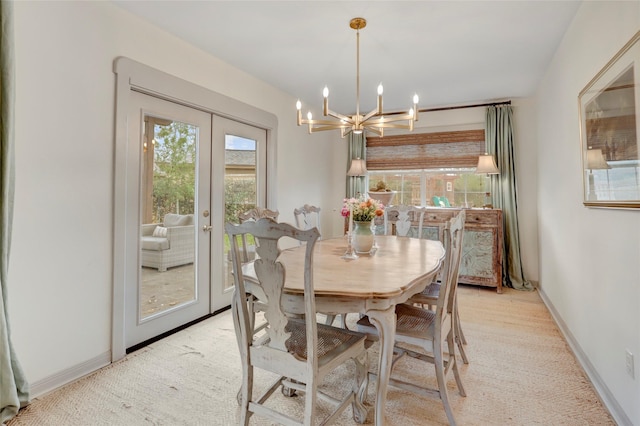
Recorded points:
428,296
411,321
331,340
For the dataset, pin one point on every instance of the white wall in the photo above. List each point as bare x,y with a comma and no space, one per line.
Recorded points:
60,276
589,258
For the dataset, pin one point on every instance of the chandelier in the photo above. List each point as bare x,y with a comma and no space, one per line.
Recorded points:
374,121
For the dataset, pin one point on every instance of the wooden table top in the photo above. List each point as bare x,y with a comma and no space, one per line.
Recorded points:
398,264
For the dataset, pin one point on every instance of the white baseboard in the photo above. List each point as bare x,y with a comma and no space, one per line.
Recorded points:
605,395
69,375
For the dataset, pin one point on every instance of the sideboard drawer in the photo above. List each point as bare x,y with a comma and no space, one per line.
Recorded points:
438,216
482,217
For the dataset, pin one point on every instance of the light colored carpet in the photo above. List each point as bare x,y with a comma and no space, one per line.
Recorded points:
521,372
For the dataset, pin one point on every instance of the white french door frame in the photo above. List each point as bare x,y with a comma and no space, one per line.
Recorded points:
134,76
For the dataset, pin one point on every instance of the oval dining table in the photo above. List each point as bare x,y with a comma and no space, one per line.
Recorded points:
372,285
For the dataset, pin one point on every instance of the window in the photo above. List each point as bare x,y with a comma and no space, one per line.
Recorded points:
460,186
422,166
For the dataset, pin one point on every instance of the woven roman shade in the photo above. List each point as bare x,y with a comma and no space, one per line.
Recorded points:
425,150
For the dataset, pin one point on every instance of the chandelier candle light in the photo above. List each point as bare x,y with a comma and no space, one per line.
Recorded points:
374,121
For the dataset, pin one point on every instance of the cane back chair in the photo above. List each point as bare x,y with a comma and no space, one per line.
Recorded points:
298,349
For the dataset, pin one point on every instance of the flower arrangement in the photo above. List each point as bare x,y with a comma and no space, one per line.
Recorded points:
364,209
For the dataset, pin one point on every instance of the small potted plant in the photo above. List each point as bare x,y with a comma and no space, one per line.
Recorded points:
382,192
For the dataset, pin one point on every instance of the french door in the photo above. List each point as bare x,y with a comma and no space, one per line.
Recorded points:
172,285
191,166
243,188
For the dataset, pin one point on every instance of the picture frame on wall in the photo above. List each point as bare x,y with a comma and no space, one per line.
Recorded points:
609,108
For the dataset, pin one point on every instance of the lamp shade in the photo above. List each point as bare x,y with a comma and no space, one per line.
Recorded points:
595,160
358,168
487,165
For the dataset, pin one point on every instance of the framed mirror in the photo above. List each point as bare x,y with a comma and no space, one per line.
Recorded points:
609,131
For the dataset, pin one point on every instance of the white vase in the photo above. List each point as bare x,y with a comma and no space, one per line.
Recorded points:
362,236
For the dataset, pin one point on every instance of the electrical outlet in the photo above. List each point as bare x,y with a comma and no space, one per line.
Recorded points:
630,369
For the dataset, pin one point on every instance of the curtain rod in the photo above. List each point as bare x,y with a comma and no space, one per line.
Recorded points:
453,107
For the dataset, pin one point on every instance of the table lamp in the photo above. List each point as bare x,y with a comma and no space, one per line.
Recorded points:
358,168
487,165
595,161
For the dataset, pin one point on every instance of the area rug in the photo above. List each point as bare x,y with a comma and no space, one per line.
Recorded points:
521,372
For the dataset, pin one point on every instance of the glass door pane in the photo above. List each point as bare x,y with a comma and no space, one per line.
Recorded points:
168,232
240,185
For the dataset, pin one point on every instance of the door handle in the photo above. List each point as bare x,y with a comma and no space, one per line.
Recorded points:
206,228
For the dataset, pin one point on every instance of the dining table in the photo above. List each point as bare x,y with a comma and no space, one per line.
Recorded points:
371,284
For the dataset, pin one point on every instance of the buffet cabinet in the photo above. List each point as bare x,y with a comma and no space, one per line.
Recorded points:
481,262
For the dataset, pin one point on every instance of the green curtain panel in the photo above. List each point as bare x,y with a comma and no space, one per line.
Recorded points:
499,142
14,389
357,149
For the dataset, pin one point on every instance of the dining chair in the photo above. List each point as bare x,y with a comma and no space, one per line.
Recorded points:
248,250
255,295
300,352
429,296
403,217
307,217
430,329
258,213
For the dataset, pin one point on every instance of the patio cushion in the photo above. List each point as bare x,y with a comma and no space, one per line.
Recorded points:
172,219
160,231
155,243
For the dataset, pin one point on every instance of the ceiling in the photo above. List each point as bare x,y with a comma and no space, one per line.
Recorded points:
448,52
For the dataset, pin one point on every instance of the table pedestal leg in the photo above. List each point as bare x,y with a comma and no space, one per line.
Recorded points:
385,323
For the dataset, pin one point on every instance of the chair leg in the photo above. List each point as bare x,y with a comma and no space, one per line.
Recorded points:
442,382
343,321
329,319
452,347
310,402
246,391
342,317
252,314
459,338
459,329
360,389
